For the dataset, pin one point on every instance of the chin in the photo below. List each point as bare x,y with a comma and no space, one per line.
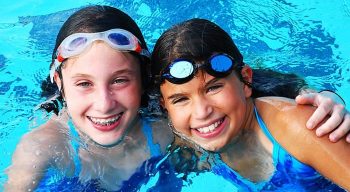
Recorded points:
212,147
109,144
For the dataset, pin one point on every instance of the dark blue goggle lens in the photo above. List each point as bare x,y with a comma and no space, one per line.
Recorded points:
119,39
182,70
221,63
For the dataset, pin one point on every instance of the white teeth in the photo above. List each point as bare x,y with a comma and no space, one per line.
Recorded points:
105,121
210,128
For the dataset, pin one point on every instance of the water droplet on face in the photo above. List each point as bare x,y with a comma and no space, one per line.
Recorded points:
37,152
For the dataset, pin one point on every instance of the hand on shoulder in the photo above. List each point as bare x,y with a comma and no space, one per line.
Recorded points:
286,122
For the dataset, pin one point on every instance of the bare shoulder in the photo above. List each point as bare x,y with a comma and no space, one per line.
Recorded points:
286,122
284,111
41,142
36,150
52,132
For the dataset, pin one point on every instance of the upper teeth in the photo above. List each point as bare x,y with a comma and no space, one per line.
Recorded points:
210,128
105,121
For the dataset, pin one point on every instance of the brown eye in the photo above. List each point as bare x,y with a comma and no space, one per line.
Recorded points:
120,80
214,88
179,100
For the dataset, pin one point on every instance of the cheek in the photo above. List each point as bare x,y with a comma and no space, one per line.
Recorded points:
232,98
131,96
76,102
180,119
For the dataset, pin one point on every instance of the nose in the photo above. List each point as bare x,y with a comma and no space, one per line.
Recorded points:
105,101
202,108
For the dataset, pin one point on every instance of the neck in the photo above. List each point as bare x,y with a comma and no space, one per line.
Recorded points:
249,125
246,153
250,122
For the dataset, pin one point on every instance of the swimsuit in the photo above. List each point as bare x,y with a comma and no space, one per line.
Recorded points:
290,174
140,179
158,173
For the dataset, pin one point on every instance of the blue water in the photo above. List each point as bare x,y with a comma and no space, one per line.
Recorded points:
309,38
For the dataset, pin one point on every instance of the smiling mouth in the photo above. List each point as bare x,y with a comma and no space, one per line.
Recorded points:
105,121
211,127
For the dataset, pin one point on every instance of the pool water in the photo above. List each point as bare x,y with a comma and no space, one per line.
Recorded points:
309,38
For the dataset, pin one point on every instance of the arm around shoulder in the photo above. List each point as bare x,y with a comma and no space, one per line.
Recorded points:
330,159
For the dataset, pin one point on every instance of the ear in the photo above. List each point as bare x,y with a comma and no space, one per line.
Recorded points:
57,80
247,75
162,104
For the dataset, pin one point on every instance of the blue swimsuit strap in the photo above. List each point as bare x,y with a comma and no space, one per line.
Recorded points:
276,146
147,131
75,143
263,126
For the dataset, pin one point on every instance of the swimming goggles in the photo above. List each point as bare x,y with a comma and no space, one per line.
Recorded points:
76,43
182,70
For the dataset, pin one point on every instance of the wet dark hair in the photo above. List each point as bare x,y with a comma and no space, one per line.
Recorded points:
99,18
267,82
197,39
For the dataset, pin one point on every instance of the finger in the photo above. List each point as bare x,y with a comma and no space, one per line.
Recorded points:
332,123
307,98
346,123
320,113
341,131
348,138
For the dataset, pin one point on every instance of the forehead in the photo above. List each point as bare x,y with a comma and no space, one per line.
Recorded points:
101,55
199,81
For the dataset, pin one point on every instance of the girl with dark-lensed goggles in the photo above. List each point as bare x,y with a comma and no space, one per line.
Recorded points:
222,116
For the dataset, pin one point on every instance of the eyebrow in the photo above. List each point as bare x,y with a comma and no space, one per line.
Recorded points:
215,79
174,96
123,71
